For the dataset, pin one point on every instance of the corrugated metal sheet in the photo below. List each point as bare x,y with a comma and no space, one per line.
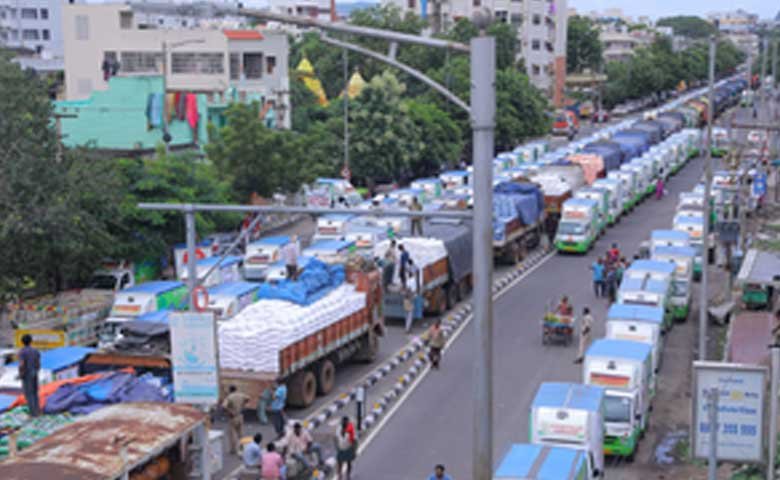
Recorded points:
87,449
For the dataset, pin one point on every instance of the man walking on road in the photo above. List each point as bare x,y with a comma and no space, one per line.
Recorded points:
598,277
234,405
278,402
586,325
408,308
416,221
29,365
436,343
438,473
404,262
290,253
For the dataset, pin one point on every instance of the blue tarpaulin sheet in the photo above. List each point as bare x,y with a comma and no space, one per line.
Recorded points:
116,387
528,201
314,282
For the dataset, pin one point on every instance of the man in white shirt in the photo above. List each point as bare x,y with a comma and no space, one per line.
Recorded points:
253,454
290,253
300,443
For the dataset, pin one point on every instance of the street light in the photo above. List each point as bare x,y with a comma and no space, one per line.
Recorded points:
165,47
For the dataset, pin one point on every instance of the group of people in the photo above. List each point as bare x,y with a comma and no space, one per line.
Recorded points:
270,464
608,273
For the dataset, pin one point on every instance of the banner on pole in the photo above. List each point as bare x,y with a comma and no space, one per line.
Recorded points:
194,358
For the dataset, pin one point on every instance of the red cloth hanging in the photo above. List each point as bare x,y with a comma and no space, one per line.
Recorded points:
192,112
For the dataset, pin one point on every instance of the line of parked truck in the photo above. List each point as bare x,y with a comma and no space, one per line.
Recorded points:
574,425
528,193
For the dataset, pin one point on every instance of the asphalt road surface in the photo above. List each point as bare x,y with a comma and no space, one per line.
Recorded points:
435,423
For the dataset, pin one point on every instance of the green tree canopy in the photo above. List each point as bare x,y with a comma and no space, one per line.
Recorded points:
583,47
688,26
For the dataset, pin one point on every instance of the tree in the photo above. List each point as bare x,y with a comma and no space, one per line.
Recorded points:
583,47
57,209
520,109
688,26
181,178
384,141
442,138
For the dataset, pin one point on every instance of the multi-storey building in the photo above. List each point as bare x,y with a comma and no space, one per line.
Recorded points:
33,28
121,74
541,29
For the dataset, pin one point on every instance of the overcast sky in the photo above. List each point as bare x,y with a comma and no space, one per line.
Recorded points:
664,8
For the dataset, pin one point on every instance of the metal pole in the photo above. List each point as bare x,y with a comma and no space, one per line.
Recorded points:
707,209
165,92
764,60
712,410
192,270
773,411
483,111
774,63
345,58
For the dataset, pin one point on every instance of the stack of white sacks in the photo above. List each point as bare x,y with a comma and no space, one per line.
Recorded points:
423,252
253,339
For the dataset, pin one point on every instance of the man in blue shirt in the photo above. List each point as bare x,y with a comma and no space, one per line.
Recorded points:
405,259
29,366
277,408
253,454
598,277
438,473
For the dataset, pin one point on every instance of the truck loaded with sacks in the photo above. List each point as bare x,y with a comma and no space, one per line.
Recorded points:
299,332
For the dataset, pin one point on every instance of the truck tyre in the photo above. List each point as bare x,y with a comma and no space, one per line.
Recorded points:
326,376
302,389
452,296
369,346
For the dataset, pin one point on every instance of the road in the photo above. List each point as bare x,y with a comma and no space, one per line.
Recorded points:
434,425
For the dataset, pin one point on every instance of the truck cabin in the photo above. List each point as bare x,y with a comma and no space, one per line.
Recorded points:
669,238
330,251
652,269
539,462
759,277
694,226
227,299
364,237
332,226
226,270
455,178
649,292
262,253
431,186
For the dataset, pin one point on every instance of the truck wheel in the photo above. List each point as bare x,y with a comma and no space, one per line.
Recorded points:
326,377
302,389
369,346
452,296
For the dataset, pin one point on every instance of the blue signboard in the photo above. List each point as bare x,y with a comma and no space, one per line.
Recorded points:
194,358
759,185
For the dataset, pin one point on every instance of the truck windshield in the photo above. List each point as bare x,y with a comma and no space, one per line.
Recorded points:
617,409
680,288
571,228
102,282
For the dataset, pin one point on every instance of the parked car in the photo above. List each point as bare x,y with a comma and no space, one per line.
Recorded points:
566,123
622,110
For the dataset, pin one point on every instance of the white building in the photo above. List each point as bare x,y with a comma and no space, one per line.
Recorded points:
541,26
104,40
33,28
737,21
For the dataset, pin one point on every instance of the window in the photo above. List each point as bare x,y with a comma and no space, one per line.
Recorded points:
44,14
235,66
141,62
29,14
535,70
82,27
477,3
11,13
45,34
30,35
197,62
270,64
253,65
502,16
535,44
411,4
125,20
537,19
516,18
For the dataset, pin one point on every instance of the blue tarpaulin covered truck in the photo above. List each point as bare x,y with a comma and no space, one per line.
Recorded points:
518,216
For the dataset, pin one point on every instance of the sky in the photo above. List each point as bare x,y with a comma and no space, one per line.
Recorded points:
665,8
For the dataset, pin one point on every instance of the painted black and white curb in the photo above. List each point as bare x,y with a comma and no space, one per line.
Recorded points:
416,347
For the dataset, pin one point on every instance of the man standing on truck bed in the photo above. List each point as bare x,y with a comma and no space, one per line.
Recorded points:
278,402
29,365
234,405
290,254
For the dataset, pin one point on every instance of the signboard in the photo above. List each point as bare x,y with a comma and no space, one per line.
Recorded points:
41,339
759,185
741,425
609,381
194,358
563,425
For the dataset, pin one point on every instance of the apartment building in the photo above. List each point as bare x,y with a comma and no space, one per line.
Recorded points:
33,29
541,29
121,74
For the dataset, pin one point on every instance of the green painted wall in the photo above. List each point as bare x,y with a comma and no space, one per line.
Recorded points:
116,118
